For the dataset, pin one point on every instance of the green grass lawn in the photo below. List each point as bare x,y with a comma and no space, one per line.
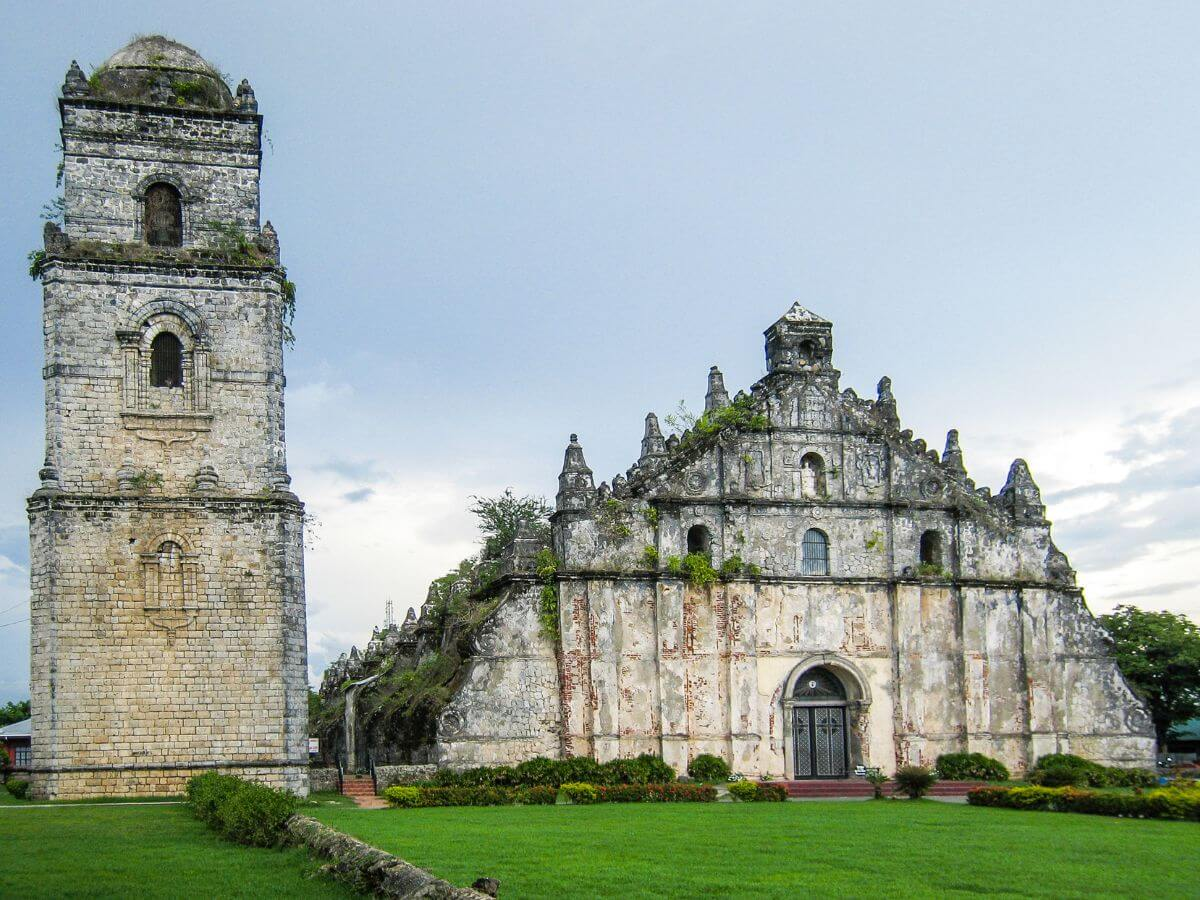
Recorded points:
866,849
140,851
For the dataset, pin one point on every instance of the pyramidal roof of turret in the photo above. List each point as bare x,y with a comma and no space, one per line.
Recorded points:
799,314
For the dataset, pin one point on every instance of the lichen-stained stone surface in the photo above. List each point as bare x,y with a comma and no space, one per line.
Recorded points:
946,617
168,620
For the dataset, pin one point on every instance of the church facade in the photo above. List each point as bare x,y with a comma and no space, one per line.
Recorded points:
797,585
168,618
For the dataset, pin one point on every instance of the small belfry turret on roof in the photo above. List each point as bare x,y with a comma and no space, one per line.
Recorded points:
801,341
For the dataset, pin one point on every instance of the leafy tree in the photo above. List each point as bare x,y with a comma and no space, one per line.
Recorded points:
501,517
1159,652
14,712
314,711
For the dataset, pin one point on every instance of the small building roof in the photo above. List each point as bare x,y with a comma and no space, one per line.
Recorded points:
17,730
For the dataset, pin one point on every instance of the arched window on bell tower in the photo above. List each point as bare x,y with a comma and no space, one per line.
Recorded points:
166,361
162,217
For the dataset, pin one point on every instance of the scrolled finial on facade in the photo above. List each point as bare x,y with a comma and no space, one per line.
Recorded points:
576,490
245,100
653,445
952,457
76,83
885,404
268,240
717,397
48,474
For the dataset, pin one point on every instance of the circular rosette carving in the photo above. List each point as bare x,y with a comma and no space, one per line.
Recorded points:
450,723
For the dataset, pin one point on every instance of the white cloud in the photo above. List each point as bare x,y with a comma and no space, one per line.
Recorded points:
369,548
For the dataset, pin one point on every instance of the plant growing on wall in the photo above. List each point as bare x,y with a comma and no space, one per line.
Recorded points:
612,519
547,568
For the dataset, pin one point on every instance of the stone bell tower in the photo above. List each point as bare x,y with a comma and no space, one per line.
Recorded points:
168,621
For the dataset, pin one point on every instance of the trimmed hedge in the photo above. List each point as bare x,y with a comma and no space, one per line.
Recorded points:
673,792
1172,802
18,788
575,792
970,767
1068,770
756,792
542,772
242,811
707,767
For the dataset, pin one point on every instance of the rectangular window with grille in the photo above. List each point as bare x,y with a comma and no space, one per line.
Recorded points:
23,758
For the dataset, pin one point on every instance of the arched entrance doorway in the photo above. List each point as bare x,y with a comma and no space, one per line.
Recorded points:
820,725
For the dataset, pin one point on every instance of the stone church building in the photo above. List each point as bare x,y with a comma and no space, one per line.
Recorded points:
168,621
797,585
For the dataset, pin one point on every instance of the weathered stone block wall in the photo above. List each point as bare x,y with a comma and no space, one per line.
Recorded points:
324,780
134,688
507,709
113,151
387,776
100,407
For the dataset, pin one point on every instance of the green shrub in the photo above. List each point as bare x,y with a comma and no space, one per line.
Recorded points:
970,767
1061,775
914,781
1165,803
1052,771
578,792
207,793
580,769
18,788
538,771
403,795
255,814
242,811
536,796
466,796
877,780
655,793
709,768
757,792
698,569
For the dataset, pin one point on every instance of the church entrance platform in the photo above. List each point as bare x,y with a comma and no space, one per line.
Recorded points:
858,787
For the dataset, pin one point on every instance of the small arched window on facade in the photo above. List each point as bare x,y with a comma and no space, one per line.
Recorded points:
812,476
162,219
814,553
699,540
166,361
931,549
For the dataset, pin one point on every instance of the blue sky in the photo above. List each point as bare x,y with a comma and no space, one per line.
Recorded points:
509,222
